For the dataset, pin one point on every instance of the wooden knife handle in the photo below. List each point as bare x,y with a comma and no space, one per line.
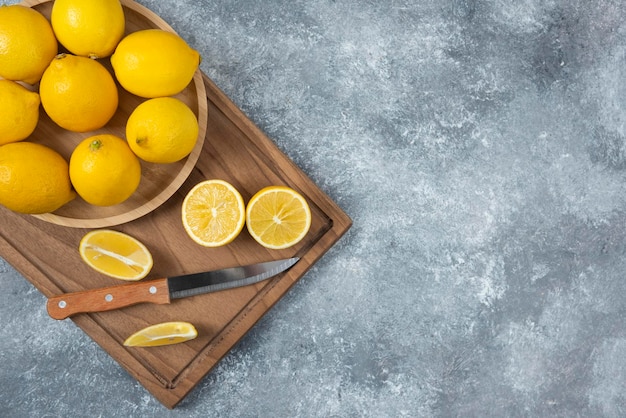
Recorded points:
108,298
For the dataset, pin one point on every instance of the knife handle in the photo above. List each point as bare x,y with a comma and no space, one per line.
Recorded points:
108,298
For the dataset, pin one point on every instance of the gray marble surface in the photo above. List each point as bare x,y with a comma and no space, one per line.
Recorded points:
478,146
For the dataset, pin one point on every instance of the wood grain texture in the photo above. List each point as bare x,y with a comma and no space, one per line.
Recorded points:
159,181
234,150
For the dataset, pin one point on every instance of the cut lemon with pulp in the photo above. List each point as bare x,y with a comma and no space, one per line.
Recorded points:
116,254
213,213
164,333
278,217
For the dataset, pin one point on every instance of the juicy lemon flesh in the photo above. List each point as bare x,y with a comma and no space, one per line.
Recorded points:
88,28
213,213
278,217
27,43
165,333
19,112
116,254
162,130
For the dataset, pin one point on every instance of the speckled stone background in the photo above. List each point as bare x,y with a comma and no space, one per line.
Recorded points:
479,147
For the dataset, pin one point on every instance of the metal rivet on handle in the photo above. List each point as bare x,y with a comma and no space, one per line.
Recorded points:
153,289
62,304
108,297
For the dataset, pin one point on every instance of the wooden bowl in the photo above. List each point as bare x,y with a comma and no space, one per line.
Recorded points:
159,181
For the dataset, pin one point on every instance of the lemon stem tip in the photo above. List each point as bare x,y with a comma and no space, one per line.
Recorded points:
95,145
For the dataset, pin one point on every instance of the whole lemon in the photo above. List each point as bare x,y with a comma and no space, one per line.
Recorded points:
78,93
27,43
162,130
104,171
19,112
88,28
33,178
154,63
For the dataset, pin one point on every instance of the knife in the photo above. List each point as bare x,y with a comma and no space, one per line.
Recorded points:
162,291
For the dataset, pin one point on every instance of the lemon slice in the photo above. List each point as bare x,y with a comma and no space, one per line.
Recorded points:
116,254
165,333
213,213
278,217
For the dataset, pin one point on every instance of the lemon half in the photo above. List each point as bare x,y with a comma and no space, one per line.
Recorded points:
116,254
278,217
213,213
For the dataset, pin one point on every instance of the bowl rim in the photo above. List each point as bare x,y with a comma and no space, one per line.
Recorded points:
157,200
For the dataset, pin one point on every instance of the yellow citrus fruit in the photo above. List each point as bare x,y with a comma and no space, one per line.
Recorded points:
115,254
104,170
165,333
19,111
278,217
213,213
154,63
88,28
162,130
27,43
33,178
78,93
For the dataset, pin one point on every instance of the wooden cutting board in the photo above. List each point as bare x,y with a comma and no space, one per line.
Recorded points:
234,150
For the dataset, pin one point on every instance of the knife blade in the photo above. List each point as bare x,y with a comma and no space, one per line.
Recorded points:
162,291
